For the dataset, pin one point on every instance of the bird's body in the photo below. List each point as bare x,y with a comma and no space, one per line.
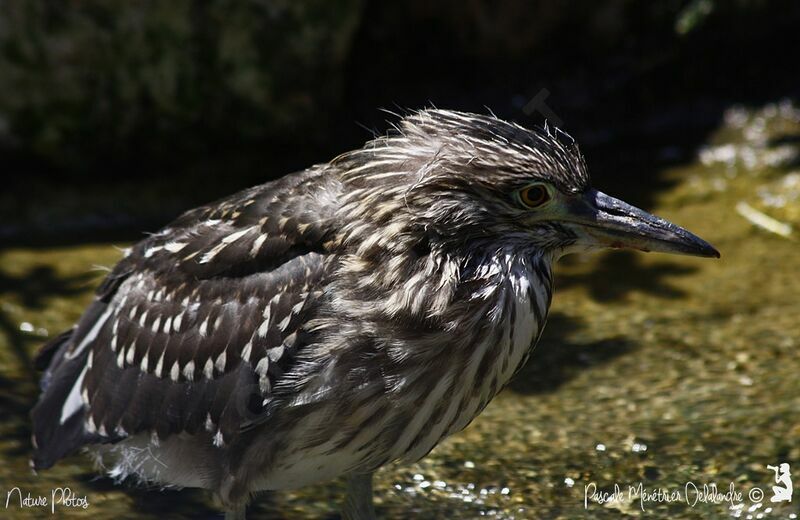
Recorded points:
323,324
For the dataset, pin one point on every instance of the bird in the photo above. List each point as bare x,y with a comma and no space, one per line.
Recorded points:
335,320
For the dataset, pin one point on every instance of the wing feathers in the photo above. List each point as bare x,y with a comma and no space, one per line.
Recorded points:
191,328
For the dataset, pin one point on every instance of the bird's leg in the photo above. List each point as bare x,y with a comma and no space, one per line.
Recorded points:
358,503
236,513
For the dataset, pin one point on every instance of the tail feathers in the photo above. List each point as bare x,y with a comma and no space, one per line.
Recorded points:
45,356
58,417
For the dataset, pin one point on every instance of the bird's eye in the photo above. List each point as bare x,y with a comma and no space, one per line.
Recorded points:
534,196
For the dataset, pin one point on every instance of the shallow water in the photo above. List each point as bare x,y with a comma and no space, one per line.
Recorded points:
659,370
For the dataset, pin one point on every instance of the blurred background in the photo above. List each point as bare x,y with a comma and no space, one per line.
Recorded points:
116,117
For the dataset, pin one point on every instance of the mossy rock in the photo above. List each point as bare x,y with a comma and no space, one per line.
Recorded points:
92,80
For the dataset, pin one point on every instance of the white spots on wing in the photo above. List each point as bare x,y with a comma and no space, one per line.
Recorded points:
160,364
145,361
303,227
219,441
209,256
274,301
263,377
225,242
121,357
90,359
259,241
275,353
175,371
143,319
219,364
233,237
140,284
90,427
247,350
174,247
176,323
188,371
284,324
282,222
204,327
152,250
85,396
209,423
102,430
290,340
167,325
156,324
73,402
132,313
208,369
91,335
131,352
263,329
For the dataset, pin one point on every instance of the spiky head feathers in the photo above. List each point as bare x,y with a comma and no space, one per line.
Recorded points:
457,174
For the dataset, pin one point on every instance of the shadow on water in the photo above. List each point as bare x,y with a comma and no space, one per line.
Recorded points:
32,290
617,274
556,360
16,400
184,503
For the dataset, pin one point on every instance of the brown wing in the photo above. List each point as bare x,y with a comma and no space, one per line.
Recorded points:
192,328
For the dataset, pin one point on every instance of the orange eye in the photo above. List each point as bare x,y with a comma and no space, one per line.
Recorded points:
534,196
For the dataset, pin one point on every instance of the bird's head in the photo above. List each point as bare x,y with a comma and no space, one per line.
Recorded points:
464,178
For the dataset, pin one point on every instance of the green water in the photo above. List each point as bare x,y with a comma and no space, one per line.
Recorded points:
654,369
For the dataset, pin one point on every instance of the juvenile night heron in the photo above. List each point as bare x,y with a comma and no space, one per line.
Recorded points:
335,320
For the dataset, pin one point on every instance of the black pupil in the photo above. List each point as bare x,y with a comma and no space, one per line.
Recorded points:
535,195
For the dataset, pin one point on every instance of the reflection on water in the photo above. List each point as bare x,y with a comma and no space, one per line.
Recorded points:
655,370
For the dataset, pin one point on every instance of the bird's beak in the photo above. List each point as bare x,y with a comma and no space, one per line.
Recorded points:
610,222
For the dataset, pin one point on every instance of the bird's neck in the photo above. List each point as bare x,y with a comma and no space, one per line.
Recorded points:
495,311
514,287
471,292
